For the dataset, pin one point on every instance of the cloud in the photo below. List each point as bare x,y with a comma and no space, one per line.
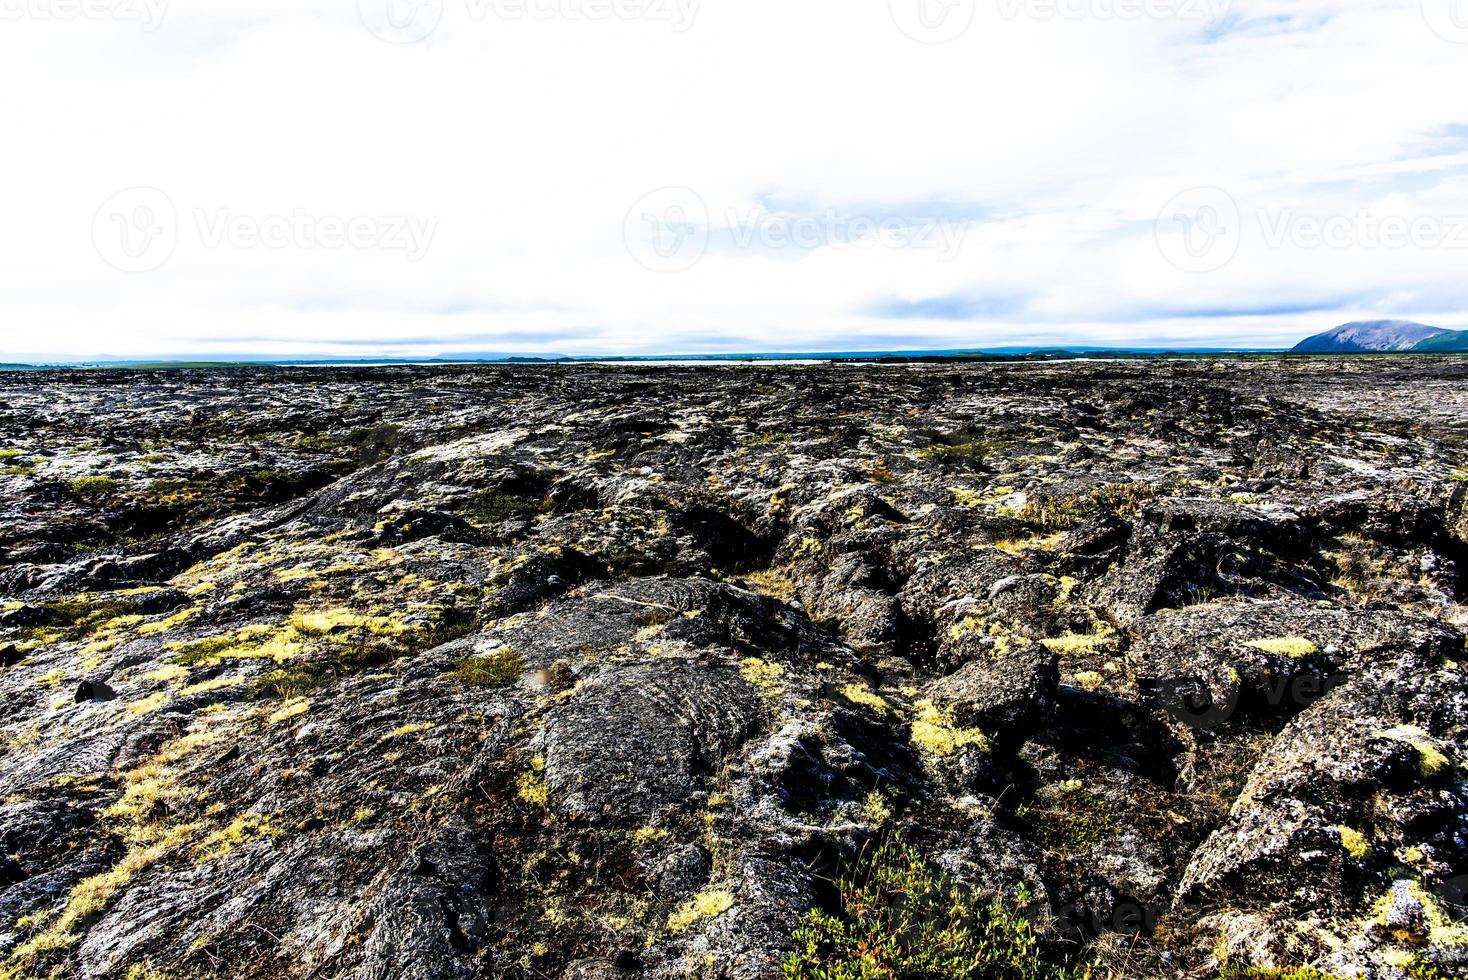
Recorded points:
836,180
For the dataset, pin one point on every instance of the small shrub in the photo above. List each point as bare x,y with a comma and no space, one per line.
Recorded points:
649,618
899,918
972,453
499,669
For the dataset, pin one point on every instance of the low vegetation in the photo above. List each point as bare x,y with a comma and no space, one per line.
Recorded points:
898,917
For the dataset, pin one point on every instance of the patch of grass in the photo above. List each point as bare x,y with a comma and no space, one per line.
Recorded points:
290,683
777,583
498,669
1049,542
1231,972
899,917
94,487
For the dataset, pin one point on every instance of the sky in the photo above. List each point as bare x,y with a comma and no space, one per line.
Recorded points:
432,177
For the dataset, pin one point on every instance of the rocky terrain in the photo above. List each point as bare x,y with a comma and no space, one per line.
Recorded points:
610,672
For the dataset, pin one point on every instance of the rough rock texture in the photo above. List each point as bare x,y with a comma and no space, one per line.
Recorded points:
600,672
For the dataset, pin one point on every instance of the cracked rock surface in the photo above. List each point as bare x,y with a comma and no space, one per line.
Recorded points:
606,671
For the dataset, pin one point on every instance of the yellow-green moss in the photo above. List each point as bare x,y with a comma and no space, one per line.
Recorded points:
1354,842
1430,758
934,732
705,905
293,708
1089,680
1072,643
1295,647
863,695
412,728
763,675
239,832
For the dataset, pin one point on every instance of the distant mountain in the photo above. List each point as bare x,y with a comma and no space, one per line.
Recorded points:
1451,342
1370,335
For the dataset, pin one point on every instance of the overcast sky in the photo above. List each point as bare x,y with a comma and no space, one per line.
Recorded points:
597,176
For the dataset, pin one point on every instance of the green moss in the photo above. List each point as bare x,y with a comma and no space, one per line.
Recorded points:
240,832
498,669
972,453
1419,968
898,917
1074,823
493,506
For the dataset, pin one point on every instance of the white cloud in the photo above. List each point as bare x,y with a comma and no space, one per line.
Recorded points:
1045,140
